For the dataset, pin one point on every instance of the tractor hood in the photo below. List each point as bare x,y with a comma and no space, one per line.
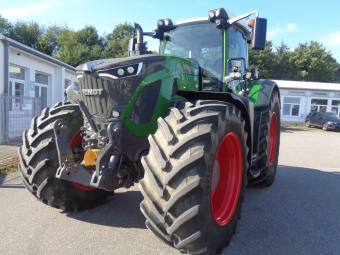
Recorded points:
110,83
118,62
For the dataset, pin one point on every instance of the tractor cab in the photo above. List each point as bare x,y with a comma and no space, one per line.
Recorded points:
210,49
202,44
213,44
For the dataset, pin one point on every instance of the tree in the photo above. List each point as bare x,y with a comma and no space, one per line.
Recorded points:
27,33
264,60
47,43
337,74
71,47
118,41
70,50
121,31
313,63
89,36
4,26
77,47
283,69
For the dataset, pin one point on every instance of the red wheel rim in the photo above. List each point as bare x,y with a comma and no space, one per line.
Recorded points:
227,179
76,139
272,138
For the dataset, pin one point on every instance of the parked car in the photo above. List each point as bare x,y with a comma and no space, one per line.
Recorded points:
325,120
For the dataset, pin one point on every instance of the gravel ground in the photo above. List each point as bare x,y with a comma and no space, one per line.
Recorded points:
298,214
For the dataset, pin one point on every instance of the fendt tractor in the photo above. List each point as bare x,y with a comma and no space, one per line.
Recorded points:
192,125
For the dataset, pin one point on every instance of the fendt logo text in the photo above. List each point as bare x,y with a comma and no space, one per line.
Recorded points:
92,92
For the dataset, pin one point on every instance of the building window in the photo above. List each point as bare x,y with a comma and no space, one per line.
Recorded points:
16,72
76,86
291,106
335,107
41,86
319,105
66,84
41,78
16,93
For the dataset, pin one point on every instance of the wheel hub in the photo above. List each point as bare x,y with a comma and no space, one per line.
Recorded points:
272,138
227,179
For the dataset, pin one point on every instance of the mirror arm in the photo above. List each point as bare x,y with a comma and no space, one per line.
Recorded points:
231,21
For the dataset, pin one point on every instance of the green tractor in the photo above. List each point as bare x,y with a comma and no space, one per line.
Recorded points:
192,125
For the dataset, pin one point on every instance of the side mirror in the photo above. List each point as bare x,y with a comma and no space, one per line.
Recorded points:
258,34
131,49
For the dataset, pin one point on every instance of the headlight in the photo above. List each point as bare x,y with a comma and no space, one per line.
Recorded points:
130,69
88,126
331,123
120,71
115,114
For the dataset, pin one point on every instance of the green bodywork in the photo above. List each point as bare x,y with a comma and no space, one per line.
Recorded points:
186,74
186,80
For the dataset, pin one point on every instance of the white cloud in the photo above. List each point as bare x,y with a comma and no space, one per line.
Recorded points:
272,33
332,38
332,43
18,12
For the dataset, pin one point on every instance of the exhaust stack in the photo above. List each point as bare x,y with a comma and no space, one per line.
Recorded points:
137,47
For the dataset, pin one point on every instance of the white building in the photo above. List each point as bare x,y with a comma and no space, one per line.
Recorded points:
299,98
25,75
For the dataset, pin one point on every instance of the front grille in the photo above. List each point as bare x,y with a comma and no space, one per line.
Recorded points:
115,91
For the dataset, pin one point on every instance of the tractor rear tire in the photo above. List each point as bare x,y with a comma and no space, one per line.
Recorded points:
195,175
39,161
269,147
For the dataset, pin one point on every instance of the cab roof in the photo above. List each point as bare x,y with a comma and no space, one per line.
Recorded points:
240,24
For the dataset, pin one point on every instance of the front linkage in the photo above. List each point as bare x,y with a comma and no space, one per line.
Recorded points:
106,170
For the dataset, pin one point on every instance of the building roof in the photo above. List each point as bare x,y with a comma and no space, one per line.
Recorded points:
305,85
34,52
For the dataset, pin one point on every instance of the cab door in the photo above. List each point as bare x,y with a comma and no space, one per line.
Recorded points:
236,49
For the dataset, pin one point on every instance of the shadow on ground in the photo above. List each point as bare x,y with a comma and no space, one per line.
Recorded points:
291,129
120,210
298,214
11,181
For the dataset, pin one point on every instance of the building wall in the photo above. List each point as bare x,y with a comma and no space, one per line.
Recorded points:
19,112
305,96
2,67
56,74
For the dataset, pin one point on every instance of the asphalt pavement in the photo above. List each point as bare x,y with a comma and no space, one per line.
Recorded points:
298,214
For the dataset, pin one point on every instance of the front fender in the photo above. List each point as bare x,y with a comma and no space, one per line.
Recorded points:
261,91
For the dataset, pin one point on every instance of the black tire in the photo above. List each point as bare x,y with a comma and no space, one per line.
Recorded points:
268,170
39,161
177,184
324,126
308,124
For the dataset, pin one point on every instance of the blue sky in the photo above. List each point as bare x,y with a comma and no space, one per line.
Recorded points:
293,22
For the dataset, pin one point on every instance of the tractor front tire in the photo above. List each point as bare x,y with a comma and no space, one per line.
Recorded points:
39,161
269,144
195,175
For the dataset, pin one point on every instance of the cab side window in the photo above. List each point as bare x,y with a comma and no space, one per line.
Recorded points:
237,49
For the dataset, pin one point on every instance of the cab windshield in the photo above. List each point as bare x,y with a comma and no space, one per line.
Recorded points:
202,44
